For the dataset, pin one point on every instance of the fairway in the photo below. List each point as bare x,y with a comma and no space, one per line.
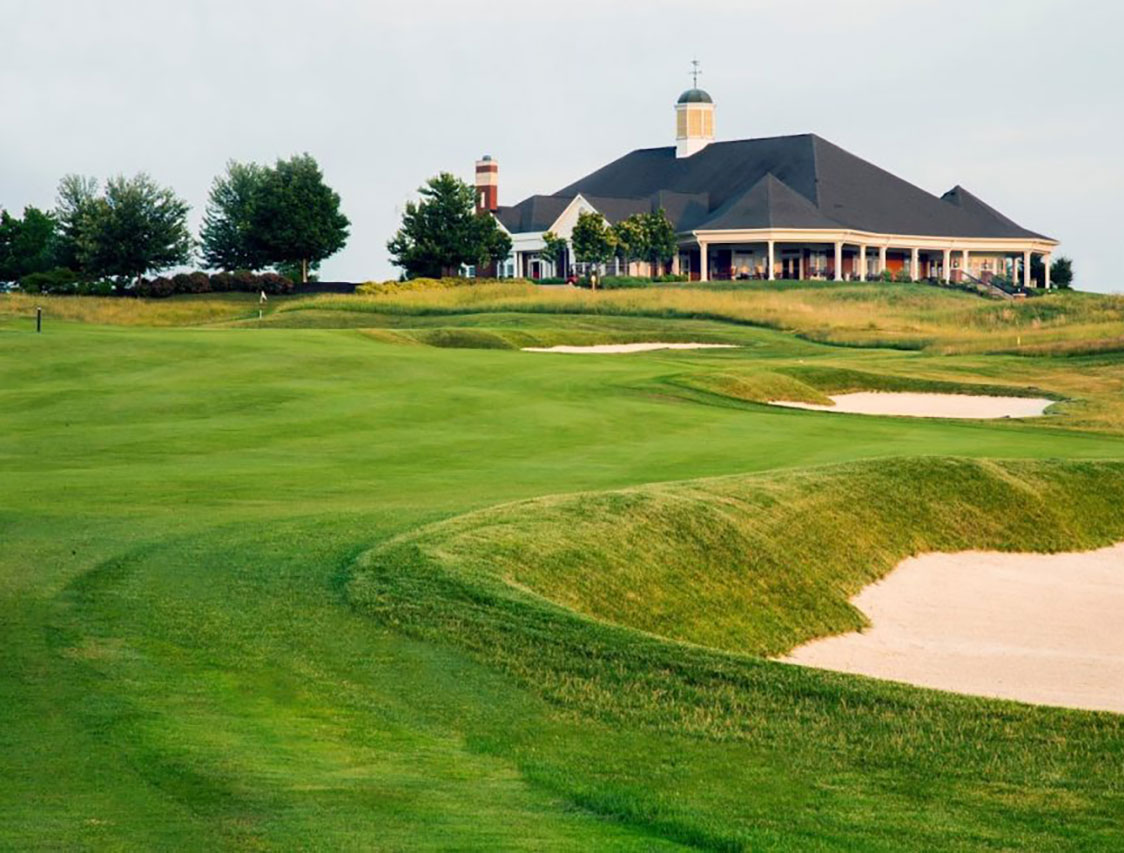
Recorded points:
364,575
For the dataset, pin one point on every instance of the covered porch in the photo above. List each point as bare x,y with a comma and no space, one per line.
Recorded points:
850,257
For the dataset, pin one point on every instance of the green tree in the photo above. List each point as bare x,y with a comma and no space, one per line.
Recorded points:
660,241
27,245
592,239
227,236
74,210
1061,273
554,250
136,227
630,237
295,217
442,231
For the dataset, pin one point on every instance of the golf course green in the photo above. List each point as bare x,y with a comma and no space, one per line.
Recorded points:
363,574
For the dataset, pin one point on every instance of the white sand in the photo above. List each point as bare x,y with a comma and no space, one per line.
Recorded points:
1033,627
621,348
913,405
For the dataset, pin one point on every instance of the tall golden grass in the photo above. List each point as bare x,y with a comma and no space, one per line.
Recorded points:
99,311
904,316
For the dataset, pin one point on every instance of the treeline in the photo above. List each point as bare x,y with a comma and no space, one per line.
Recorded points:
107,239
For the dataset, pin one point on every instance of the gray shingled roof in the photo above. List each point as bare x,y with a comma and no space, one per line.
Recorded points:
785,181
770,203
536,213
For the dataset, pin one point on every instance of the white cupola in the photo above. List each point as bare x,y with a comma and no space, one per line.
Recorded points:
694,119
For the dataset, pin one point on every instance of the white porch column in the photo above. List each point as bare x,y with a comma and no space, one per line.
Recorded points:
1046,264
963,263
772,261
947,275
704,271
1026,269
838,261
861,272
915,264
881,260
675,262
800,266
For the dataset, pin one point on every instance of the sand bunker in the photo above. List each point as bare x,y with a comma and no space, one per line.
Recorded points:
622,348
1043,628
913,405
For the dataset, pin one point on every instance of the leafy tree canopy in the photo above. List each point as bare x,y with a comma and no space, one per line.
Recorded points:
592,239
295,217
660,243
443,231
28,245
135,227
554,249
227,236
74,207
1061,273
631,238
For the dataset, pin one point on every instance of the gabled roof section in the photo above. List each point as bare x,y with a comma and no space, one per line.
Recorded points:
770,203
536,213
616,209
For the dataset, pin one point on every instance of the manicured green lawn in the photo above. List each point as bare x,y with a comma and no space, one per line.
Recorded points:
186,664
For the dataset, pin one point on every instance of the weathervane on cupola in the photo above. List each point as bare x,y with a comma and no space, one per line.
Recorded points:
694,117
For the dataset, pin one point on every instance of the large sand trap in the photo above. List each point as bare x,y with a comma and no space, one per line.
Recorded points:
1045,628
621,348
913,405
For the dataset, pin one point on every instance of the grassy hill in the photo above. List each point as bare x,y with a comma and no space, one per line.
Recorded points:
299,585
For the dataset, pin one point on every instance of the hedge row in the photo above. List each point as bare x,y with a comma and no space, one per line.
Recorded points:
240,281
66,282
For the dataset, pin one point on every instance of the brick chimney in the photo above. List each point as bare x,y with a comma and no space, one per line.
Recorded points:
487,184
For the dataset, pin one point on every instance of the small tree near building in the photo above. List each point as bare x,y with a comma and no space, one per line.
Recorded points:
660,242
631,238
443,231
1061,273
554,250
592,239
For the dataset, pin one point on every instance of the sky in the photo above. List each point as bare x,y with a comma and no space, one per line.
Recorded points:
1022,102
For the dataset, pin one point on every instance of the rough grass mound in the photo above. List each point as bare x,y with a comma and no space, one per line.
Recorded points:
755,564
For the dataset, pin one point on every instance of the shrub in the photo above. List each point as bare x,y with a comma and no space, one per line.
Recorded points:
103,287
198,282
156,288
59,281
273,283
222,282
887,276
181,283
903,276
245,281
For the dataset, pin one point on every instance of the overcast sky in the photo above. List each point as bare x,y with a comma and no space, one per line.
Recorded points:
1020,102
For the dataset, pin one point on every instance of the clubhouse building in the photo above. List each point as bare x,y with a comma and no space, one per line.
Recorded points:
786,207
